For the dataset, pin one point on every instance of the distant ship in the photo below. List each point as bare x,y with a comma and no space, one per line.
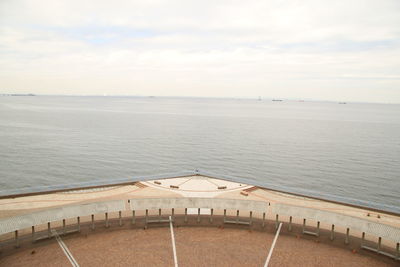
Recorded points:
342,103
22,95
277,100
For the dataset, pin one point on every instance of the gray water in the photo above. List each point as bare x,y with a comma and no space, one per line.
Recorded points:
345,152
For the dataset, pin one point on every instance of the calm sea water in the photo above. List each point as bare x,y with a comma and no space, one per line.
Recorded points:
345,152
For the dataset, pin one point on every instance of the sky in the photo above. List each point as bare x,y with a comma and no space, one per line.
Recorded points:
343,50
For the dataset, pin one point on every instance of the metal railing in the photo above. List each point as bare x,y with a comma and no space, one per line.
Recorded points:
379,230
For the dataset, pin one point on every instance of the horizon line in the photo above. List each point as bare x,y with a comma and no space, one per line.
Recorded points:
257,98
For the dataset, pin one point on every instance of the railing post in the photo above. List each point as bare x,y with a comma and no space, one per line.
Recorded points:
107,225
92,221
64,231
48,230
304,225
290,223
362,239
263,222
173,214
276,221
159,215
198,215
133,217
211,217
79,223
120,218
185,215
16,239
224,215
33,234
332,232
145,220
251,218
237,216
379,244
398,250
318,223
346,241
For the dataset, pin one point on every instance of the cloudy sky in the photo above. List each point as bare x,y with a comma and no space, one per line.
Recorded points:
343,50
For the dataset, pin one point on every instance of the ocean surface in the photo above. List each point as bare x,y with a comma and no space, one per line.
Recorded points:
347,152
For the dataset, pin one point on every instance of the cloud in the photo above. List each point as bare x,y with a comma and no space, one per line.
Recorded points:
304,49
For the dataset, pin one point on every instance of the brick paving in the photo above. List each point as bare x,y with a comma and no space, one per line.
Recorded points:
196,246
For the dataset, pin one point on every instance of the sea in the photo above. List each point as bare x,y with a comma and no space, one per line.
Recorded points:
349,152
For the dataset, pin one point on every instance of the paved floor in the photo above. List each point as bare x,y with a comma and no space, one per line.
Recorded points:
44,254
291,251
196,246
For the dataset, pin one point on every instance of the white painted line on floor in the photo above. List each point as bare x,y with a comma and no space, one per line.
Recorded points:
65,249
273,245
173,241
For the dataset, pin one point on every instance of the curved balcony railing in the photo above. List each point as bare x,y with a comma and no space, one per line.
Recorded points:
351,224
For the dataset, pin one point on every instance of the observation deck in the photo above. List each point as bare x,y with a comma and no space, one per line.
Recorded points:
192,219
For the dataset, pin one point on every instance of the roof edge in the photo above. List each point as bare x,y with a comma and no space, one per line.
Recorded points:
104,183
